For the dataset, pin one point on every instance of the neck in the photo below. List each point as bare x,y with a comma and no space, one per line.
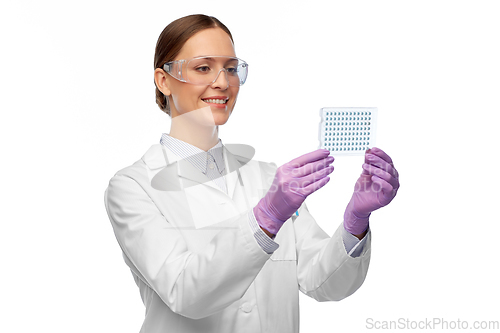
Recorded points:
196,128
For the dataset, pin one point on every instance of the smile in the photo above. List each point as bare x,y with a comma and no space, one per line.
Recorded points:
215,101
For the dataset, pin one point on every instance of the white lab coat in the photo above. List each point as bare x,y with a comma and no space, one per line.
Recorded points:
196,262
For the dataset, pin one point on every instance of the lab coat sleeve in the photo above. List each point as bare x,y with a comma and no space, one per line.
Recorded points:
266,243
194,285
352,244
325,271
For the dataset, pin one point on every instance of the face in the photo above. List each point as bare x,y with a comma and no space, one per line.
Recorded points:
185,97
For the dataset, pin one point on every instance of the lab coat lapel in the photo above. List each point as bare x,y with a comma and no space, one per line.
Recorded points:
177,175
213,208
180,174
208,204
193,176
232,167
245,194
204,197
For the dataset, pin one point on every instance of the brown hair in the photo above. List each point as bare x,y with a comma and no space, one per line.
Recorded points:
173,38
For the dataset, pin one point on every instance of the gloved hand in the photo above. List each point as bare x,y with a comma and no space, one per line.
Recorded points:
375,188
293,182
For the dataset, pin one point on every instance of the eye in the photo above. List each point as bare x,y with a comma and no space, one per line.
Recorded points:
202,69
232,70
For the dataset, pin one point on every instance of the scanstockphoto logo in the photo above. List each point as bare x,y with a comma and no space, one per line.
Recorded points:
431,324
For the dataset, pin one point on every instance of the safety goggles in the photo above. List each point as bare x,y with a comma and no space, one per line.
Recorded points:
205,71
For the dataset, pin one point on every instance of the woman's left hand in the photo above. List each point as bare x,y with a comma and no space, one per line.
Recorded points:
376,187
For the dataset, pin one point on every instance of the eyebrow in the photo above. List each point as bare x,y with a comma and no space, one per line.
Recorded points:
210,58
232,59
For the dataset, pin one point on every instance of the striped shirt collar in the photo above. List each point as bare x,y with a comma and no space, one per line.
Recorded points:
197,157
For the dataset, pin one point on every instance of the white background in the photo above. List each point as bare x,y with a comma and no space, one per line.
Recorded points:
77,104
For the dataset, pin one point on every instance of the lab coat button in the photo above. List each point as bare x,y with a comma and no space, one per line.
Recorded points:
246,307
211,165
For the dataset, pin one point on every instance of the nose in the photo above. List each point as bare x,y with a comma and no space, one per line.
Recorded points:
221,81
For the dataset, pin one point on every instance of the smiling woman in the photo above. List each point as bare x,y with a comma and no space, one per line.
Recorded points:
218,242
203,73
174,38
210,47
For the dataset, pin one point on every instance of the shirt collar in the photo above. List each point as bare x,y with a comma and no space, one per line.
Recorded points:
197,157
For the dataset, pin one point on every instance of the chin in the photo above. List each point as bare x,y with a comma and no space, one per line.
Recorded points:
220,119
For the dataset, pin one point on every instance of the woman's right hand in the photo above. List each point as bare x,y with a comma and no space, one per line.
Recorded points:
293,182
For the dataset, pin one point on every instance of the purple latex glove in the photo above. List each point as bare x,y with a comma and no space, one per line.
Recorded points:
293,182
375,188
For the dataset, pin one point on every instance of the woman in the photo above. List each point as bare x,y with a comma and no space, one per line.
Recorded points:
217,242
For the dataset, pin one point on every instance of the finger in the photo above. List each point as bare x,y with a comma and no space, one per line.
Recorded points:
312,167
382,185
364,172
380,153
313,177
380,163
311,188
309,157
374,171
385,192
363,182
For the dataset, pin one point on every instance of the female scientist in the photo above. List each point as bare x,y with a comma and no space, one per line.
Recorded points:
218,242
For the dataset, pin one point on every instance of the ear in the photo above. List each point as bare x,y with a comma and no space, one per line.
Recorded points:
162,81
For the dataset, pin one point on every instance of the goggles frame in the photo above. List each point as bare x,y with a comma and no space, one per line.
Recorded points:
175,69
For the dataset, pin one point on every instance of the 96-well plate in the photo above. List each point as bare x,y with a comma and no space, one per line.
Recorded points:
347,131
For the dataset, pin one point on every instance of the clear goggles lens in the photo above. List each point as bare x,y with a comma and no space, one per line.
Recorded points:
206,70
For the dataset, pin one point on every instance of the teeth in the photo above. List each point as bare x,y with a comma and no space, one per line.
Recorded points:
216,101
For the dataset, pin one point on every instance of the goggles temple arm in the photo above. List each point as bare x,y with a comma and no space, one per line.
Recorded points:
169,68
